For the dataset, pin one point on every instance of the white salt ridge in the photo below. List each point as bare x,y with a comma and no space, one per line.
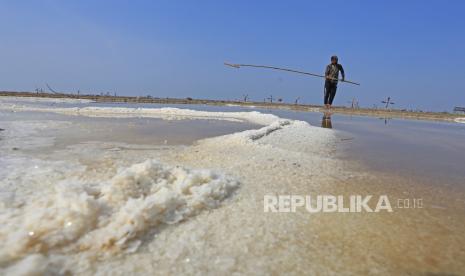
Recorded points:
460,120
166,113
110,216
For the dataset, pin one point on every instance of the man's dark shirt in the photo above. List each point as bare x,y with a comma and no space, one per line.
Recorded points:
332,71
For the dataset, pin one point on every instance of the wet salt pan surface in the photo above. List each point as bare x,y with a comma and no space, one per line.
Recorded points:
108,206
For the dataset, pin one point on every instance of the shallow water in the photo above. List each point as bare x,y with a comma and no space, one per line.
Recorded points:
87,169
141,131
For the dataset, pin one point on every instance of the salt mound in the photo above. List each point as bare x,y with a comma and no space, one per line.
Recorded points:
460,120
148,194
109,216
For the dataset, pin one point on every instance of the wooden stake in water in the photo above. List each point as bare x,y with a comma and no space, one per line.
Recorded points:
285,69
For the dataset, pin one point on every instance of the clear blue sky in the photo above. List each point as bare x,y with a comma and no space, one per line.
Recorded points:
413,51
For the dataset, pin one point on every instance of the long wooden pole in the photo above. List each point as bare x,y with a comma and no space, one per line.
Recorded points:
285,69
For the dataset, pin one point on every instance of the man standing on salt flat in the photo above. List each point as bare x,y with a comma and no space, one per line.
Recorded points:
332,76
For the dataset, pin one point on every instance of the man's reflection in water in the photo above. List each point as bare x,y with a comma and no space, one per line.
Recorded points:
326,121
386,120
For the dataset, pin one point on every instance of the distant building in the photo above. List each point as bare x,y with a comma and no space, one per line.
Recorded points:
459,110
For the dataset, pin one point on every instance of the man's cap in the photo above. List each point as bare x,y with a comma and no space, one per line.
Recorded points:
334,57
